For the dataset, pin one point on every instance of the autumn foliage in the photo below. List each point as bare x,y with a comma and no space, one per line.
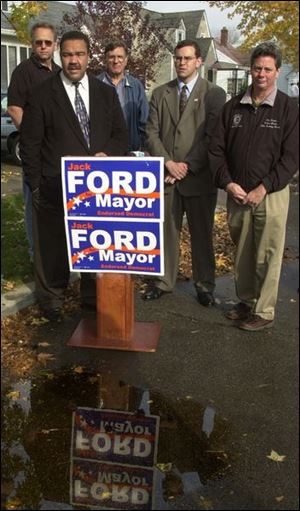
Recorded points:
267,21
105,21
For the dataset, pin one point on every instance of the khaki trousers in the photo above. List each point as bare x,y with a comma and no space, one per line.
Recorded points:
259,236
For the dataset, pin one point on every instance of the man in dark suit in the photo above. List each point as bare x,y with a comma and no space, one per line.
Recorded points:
71,114
182,117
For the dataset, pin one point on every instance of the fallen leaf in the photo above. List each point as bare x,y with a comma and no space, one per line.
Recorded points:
14,394
164,467
78,370
47,431
13,503
274,456
206,503
279,499
45,357
93,379
39,321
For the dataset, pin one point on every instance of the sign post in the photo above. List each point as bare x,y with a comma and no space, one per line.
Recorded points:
114,219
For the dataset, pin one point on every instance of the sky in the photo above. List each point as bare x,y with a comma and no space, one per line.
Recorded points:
217,19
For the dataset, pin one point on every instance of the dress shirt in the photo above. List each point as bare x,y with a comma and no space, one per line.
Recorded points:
189,85
83,90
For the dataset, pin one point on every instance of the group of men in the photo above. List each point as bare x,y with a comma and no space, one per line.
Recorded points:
247,146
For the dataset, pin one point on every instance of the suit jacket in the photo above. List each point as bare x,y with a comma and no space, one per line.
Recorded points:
50,128
185,139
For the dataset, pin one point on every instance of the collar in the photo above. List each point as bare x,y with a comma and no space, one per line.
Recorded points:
189,85
84,81
40,65
269,100
124,80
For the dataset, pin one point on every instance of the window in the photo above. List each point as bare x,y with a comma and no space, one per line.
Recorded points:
4,77
23,53
234,85
4,6
180,35
12,59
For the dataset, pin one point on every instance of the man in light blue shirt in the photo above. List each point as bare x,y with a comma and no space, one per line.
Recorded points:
130,91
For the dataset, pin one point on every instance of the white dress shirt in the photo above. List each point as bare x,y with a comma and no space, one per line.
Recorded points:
83,90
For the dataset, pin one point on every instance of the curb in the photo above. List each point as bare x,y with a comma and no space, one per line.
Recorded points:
22,297
18,299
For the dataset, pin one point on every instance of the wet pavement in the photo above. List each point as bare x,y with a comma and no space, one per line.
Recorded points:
225,399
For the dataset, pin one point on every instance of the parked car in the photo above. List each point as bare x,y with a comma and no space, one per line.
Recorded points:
9,134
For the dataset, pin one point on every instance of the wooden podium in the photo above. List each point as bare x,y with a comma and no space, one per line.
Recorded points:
114,327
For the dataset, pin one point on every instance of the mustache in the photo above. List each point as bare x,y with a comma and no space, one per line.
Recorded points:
74,66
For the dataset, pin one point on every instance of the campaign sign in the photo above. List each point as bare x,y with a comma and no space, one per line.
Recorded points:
123,188
115,246
110,486
113,436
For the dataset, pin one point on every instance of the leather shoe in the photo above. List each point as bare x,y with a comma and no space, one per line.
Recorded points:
240,311
254,323
152,293
54,314
205,298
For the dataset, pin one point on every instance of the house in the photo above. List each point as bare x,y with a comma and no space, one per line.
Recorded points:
177,26
12,51
231,70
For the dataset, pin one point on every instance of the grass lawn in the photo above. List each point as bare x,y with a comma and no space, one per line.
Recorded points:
15,264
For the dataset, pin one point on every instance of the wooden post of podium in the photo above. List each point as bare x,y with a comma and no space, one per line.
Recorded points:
115,328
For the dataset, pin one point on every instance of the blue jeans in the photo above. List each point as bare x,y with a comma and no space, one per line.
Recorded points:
28,216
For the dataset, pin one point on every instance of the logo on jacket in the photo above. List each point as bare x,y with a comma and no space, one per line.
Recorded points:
237,120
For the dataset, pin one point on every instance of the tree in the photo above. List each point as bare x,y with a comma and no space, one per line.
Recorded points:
267,21
104,21
20,16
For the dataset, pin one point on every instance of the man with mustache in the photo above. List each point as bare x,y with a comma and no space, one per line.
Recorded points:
71,114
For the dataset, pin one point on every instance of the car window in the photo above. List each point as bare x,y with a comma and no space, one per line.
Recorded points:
3,105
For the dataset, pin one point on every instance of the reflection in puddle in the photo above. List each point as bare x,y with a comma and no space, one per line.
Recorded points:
36,439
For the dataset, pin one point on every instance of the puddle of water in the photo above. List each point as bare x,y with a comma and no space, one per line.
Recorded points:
36,440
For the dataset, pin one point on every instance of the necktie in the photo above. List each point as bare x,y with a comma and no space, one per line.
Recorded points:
82,114
183,99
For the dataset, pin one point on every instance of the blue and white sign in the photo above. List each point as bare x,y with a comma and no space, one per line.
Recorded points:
113,214
115,246
115,436
111,486
123,188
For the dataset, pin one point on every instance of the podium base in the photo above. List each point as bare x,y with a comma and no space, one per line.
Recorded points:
144,338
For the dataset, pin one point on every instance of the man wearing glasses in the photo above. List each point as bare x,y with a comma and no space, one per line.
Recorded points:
182,117
130,91
25,77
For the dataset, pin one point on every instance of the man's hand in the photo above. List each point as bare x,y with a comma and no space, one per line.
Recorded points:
178,170
101,154
236,192
255,197
170,180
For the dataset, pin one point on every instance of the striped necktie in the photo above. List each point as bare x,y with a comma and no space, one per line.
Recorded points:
82,114
183,99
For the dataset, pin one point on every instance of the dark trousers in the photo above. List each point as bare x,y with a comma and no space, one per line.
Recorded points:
200,216
51,265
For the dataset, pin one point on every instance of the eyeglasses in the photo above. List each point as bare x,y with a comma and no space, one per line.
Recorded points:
184,59
40,42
